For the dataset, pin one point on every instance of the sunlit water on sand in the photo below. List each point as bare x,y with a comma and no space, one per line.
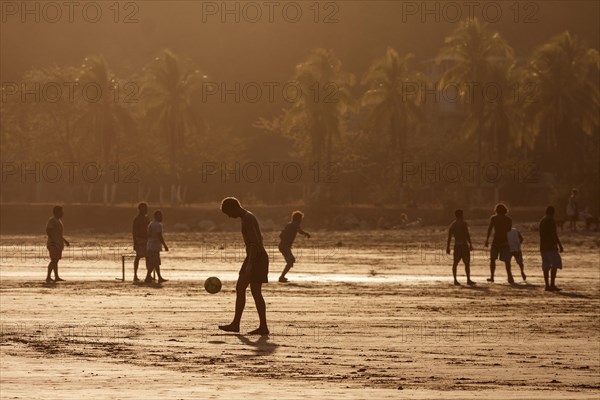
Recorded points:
25,257
373,257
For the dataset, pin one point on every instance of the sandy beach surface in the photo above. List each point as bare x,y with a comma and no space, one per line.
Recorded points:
365,315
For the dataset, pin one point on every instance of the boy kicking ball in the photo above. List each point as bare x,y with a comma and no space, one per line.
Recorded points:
254,271
287,236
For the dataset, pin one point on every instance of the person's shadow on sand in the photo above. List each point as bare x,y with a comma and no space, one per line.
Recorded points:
573,295
262,346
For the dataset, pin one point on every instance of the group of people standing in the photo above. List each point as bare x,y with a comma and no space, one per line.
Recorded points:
506,244
148,242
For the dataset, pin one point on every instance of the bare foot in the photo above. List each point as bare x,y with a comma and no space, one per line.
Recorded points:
470,283
161,280
230,328
57,279
490,280
456,283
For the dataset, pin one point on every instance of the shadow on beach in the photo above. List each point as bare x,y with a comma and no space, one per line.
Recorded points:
261,346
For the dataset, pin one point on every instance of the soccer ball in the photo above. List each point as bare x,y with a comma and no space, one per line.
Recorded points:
212,285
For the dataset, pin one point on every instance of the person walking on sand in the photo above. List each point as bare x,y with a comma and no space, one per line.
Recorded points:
140,237
573,210
255,268
501,224
462,246
55,243
550,246
155,244
287,237
515,239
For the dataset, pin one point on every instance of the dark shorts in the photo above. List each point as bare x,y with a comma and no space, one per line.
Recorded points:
55,253
152,259
551,260
140,249
462,252
287,254
501,252
518,255
260,267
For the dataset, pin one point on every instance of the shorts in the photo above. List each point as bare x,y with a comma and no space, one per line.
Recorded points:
551,260
260,267
518,255
287,254
140,249
462,252
55,253
574,217
501,252
152,259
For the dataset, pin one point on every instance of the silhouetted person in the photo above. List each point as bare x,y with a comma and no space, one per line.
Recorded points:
254,270
287,237
462,245
573,210
515,239
154,246
501,224
140,237
549,248
55,243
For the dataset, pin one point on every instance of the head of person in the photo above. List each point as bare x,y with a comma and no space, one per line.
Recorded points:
501,209
297,216
458,214
550,211
158,215
57,211
143,208
574,192
232,207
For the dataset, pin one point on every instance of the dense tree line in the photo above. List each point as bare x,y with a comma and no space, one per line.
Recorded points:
401,133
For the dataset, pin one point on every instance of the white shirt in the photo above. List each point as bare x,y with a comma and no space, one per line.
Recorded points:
513,240
154,230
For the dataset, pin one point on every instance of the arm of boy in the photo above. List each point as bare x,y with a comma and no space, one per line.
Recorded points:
489,232
469,239
300,231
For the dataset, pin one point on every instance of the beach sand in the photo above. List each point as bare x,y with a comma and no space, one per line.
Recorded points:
365,315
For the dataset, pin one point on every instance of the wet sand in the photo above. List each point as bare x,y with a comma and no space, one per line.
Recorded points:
365,315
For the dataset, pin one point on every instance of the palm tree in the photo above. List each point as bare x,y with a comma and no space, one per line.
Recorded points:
316,117
565,109
106,116
475,57
393,103
169,86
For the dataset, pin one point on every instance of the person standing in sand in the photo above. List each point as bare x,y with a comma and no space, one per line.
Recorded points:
462,246
515,239
140,237
55,243
154,246
573,210
501,224
550,246
254,271
287,237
